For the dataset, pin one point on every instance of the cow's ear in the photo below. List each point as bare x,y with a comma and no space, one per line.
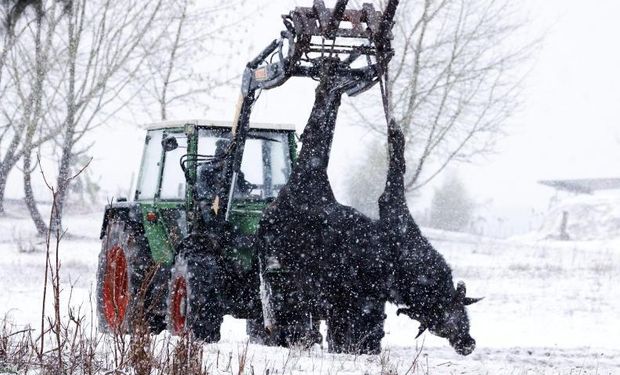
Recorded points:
460,291
405,311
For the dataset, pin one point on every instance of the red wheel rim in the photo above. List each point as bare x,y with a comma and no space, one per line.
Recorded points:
115,287
178,305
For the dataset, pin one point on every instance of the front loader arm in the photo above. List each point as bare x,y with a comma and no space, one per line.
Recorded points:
305,58
255,77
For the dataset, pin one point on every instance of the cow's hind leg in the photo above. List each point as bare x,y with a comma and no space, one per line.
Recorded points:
356,326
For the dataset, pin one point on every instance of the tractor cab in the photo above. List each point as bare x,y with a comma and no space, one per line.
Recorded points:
179,171
176,150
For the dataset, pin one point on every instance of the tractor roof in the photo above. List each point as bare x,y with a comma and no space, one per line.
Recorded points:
212,123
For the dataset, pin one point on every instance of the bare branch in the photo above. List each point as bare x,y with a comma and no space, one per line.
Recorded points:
455,81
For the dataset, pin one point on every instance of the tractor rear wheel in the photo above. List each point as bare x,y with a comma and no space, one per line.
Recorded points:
194,298
123,291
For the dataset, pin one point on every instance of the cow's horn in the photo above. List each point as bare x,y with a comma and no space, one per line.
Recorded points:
468,300
403,310
421,330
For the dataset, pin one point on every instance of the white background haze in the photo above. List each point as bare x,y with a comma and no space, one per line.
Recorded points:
567,126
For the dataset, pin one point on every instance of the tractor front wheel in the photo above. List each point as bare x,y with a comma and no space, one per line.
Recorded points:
194,302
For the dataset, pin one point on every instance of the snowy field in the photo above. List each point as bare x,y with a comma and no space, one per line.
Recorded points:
551,307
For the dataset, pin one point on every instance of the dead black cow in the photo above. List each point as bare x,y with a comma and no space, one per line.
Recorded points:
422,280
323,260
316,253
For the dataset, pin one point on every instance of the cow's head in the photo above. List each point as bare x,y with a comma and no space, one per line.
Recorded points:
447,319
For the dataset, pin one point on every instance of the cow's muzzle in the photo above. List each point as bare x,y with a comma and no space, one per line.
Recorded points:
463,345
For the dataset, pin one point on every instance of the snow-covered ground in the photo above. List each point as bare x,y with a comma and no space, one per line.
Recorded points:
550,307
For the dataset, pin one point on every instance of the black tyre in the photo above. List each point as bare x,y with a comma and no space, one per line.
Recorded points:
356,327
194,298
123,291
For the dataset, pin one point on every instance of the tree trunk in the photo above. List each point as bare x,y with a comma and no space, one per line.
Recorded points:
32,117
31,203
8,43
9,160
3,178
64,169
64,179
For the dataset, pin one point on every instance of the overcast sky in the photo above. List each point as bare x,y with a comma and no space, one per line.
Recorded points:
567,128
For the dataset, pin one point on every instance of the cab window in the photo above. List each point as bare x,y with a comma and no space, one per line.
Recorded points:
151,158
173,180
265,166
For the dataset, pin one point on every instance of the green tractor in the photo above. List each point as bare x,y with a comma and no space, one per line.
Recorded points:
183,253
176,195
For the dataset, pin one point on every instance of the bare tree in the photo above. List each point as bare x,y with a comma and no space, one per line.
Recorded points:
11,11
84,60
102,58
167,31
193,54
33,109
67,76
453,82
16,119
452,207
6,33
28,30
26,66
9,159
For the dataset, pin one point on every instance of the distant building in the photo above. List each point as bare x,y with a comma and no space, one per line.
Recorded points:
583,217
583,185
